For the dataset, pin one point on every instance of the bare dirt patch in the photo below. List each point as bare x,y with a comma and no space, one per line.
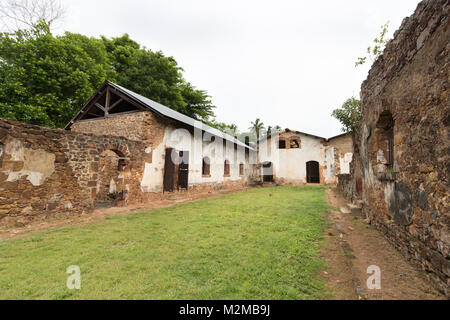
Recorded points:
351,246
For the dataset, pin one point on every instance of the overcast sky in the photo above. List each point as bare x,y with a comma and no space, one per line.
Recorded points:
288,62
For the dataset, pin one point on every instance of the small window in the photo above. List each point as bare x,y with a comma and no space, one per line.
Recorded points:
385,139
226,168
241,169
295,144
206,167
282,144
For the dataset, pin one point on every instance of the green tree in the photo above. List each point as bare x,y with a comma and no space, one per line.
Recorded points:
379,43
230,129
156,77
257,128
196,103
46,79
349,114
272,130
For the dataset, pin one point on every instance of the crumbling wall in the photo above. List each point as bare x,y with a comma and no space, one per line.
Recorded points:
343,149
407,197
46,172
345,185
139,126
160,133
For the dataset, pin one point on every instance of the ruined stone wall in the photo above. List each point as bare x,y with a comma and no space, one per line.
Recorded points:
343,143
160,133
345,185
404,172
46,172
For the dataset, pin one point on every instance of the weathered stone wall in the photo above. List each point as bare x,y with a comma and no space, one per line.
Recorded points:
343,153
404,172
343,143
345,185
138,126
44,172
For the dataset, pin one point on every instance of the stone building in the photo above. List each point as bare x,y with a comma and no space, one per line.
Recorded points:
121,148
294,157
184,152
402,150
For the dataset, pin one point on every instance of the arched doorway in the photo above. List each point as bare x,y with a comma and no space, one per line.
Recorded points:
312,172
267,172
111,165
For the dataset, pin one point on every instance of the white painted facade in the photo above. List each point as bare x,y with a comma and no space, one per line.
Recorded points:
199,146
290,164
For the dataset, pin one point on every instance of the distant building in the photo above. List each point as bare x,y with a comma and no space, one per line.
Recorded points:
294,157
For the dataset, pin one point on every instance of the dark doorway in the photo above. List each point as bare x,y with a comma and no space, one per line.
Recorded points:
169,171
206,167
183,170
312,172
176,170
267,172
109,182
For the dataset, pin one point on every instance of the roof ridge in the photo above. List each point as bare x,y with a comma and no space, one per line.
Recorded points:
166,112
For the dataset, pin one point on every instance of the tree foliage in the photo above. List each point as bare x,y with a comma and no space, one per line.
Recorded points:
257,128
349,114
157,77
46,79
379,43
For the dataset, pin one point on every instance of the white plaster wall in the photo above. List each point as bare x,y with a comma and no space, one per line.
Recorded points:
290,164
198,146
38,165
331,170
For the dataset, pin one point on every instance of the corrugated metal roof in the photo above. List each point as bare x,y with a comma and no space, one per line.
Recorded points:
172,114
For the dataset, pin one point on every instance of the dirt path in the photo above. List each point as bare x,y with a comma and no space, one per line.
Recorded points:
101,214
352,246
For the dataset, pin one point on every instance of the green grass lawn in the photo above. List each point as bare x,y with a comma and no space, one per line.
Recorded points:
241,246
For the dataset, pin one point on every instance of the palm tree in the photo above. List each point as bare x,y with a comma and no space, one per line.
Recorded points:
257,128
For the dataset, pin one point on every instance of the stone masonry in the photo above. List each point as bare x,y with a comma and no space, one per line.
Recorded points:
44,172
402,149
